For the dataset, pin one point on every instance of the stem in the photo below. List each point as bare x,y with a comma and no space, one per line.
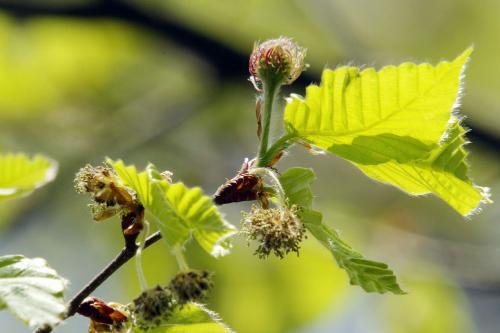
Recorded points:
276,183
138,258
271,89
125,255
181,260
282,143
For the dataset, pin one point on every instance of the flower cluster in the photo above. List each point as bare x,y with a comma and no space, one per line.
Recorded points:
103,185
109,198
278,230
156,305
191,285
105,189
153,307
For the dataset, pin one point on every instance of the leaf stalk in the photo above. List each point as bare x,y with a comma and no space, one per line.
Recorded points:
181,260
270,91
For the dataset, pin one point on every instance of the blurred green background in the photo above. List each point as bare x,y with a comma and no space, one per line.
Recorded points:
165,81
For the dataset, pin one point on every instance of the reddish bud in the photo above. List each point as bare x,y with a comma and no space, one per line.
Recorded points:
243,187
278,59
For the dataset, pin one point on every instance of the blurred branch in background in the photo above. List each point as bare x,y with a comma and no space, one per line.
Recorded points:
227,63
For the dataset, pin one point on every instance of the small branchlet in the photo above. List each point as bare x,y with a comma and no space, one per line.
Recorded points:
191,286
278,230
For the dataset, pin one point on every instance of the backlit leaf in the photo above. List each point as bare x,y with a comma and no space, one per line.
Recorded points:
177,210
20,175
395,124
31,290
190,318
371,275
444,173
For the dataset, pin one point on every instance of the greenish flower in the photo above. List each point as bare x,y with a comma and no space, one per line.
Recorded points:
280,60
191,285
152,307
278,230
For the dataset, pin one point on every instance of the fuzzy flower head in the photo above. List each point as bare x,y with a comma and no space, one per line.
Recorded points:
191,286
280,60
277,230
153,307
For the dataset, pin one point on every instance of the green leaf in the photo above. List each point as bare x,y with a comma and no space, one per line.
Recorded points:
31,290
443,173
373,150
20,175
177,210
158,210
408,100
296,183
392,124
192,318
372,276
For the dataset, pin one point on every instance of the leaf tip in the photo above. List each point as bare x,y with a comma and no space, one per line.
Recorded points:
464,57
485,199
294,97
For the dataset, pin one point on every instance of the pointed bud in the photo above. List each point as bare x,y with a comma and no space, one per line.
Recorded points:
280,60
242,187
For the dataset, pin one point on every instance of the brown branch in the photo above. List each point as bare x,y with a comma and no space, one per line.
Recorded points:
127,253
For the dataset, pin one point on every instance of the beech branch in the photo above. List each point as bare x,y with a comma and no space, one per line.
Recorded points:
127,253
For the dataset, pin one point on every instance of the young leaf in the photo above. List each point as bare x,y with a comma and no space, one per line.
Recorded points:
192,318
443,173
31,290
158,210
372,276
20,175
177,210
410,100
391,124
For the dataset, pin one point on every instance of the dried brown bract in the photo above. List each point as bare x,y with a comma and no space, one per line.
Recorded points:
101,312
104,317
